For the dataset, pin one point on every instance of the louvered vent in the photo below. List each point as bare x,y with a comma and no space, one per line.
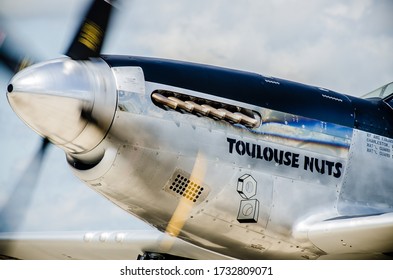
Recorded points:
182,186
208,108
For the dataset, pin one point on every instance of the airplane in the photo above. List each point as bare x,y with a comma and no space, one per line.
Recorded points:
226,163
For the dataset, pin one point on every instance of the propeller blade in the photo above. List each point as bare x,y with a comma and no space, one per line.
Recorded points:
89,38
12,214
87,43
9,55
184,207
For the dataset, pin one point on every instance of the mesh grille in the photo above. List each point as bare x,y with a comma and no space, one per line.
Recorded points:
182,186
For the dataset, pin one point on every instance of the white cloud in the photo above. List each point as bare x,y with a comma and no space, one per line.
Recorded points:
353,10
339,45
342,45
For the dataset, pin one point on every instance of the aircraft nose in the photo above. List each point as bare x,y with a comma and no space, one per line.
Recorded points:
54,98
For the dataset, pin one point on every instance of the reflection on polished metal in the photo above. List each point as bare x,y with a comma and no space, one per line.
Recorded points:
54,98
192,107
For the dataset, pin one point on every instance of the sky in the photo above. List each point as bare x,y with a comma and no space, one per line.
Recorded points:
344,46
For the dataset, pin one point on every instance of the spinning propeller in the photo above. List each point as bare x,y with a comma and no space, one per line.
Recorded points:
9,54
87,43
37,103
18,203
89,39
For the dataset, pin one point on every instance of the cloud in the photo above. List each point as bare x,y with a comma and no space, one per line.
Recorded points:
344,46
353,10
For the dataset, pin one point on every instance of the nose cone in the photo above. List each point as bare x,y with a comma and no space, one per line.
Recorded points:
54,98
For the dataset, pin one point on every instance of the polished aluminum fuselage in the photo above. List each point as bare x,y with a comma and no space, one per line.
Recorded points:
300,170
245,192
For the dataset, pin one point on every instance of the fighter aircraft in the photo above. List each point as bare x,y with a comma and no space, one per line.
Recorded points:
225,163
